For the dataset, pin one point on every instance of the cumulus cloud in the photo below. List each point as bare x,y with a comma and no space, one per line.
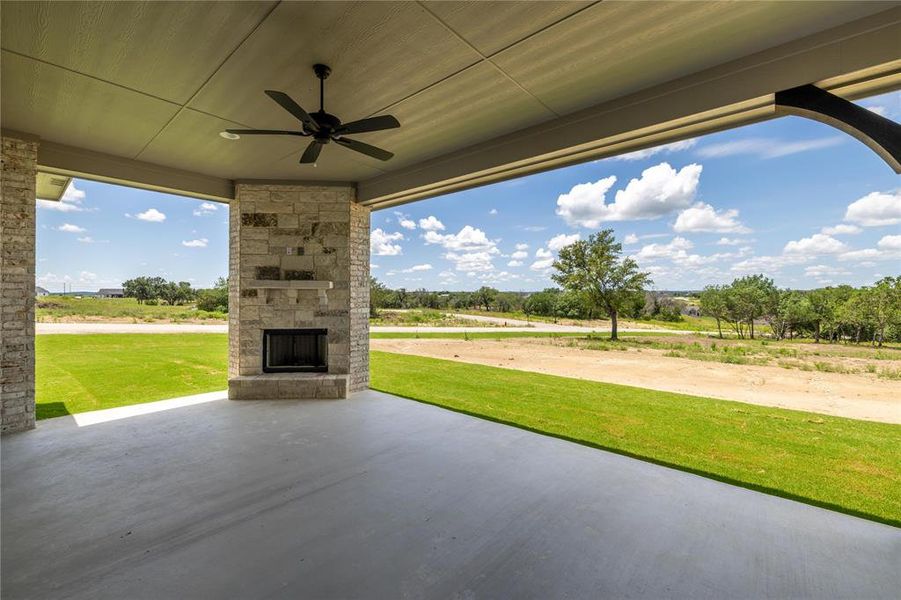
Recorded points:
416,268
887,248
704,218
522,246
198,243
206,208
766,147
841,229
561,241
519,254
404,221
383,244
815,245
471,261
151,215
70,228
675,248
430,223
876,209
822,272
631,239
664,149
467,239
659,191
890,242
71,200
515,263
493,211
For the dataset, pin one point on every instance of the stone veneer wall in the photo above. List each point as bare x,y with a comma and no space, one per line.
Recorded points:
17,208
285,232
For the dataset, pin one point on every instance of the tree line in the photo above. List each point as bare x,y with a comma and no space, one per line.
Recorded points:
597,281
153,290
841,313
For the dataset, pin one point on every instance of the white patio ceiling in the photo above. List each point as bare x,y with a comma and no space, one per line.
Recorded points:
156,82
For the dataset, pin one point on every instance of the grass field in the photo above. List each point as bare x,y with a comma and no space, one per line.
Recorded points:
843,464
77,373
70,308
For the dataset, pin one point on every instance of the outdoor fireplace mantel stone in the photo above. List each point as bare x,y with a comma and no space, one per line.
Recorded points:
286,242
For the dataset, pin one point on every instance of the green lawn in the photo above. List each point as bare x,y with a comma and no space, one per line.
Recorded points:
77,373
56,308
843,464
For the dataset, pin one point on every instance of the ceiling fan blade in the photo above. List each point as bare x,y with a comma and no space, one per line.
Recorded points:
370,124
286,102
364,148
266,132
311,153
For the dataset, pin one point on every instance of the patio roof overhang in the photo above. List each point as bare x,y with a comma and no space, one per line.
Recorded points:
137,93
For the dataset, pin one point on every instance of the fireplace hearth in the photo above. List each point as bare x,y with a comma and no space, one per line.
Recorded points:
295,350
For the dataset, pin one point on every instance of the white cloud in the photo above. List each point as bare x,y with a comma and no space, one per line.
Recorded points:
416,268
815,245
198,243
631,239
561,241
519,254
86,240
543,253
382,243
876,209
766,264
471,261
725,241
649,152
430,223
206,208
150,215
493,211
87,277
890,242
405,221
702,217
766,147
660,190
534,227
70,228
69,202
675,248
822,272
467,239
515,263
542,264
841,229
522,246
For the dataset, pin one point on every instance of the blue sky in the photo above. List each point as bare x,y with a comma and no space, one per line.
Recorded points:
791,198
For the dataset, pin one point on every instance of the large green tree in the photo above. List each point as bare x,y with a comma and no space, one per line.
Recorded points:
596,269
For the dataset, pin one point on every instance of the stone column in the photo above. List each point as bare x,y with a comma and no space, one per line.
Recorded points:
291,233
17,208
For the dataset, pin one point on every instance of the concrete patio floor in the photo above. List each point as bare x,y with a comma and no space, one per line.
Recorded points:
381,497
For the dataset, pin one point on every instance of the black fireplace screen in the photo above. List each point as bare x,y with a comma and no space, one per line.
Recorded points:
295,350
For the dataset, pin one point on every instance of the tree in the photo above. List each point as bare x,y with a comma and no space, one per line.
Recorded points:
143,289
595,268
713,304
214,299
378,296
883,306
485,296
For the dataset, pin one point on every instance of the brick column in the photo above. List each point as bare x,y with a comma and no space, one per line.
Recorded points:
282,233
17,208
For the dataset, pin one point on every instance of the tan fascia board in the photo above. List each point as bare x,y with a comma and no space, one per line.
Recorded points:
854,60
88,164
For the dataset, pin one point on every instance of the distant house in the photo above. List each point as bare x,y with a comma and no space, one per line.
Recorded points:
110,293
39,291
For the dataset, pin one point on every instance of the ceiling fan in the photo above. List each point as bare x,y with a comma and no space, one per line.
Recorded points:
323,127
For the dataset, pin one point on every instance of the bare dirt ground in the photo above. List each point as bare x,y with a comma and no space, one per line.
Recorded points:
857,396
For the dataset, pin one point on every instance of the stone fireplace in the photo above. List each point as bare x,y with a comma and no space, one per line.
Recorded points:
298,292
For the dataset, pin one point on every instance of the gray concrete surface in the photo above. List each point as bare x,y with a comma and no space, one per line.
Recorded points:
380,497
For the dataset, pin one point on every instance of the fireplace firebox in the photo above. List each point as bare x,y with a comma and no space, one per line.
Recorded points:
295,350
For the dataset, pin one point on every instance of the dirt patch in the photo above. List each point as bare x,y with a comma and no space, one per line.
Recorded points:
857,396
